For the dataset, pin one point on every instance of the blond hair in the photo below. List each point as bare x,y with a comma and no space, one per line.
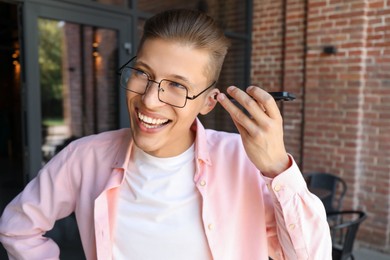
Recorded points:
190,27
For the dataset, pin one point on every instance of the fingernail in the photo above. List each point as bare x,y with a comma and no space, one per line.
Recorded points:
221,97
249,88
230,88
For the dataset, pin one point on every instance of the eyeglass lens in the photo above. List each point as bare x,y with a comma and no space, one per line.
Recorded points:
170,92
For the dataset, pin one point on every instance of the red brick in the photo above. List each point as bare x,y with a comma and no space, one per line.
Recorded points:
344,94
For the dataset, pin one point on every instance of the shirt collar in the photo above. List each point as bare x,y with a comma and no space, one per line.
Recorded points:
201,148
124,151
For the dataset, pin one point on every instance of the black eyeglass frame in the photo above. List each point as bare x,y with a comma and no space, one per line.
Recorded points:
119,72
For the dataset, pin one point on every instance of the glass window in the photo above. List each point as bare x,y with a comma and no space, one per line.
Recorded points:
78,82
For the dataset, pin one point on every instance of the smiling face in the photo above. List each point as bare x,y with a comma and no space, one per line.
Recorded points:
158,128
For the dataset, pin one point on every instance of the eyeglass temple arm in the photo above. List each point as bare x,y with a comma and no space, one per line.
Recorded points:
118,72
195,96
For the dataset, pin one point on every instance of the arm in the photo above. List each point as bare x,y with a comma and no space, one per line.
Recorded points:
296,221
299,229
25,220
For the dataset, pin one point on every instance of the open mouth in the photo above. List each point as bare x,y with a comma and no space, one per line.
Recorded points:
150,122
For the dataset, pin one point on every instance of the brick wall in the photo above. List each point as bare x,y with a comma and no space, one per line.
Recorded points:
277,59
374,161
340,122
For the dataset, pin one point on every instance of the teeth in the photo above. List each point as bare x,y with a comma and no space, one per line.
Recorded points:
151,122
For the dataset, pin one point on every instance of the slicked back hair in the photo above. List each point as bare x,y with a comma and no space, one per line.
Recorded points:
193,28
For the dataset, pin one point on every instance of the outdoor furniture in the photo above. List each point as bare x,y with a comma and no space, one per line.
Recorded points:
328,187
344,226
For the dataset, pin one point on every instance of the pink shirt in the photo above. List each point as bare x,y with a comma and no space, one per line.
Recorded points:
245,215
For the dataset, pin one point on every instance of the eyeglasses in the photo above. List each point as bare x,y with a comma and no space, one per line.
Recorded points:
169,92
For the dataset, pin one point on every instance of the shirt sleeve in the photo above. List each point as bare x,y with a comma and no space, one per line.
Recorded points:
299,229
26,218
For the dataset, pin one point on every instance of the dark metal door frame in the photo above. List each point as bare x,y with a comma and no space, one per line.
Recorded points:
70,12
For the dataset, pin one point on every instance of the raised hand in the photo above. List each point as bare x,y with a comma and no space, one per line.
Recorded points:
261,131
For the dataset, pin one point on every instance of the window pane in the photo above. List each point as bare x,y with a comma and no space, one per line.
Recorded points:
78,82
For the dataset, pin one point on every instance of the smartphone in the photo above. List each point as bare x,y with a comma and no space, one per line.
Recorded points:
282,96
278,96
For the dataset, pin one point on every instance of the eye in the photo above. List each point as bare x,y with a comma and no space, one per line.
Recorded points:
173,84
139,73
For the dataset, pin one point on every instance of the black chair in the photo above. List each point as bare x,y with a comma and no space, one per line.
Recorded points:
330,187
344,226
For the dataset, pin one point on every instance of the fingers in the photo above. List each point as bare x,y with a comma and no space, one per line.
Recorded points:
260,105
256,101
264,99
238,116
255,109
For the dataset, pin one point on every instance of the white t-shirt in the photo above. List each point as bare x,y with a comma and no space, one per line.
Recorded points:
159,210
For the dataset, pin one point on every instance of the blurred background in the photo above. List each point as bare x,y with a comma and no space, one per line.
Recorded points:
58,62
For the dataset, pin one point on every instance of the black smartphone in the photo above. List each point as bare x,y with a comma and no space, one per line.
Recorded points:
282,96
278,96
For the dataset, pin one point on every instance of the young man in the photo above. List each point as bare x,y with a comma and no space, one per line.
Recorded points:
167,188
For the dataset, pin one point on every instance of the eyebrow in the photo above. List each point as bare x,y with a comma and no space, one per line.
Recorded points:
179,77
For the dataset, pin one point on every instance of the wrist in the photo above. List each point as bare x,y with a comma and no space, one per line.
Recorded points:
279,167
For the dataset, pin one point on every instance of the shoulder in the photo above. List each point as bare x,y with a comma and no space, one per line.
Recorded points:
94,156
106,145
102,140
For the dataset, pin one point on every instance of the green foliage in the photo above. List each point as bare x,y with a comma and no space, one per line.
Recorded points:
53,121
50,63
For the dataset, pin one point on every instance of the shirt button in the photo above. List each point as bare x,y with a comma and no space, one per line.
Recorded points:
210,226
277,188
202,183
291,226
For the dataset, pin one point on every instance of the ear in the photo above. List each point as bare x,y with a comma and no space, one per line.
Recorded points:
210,101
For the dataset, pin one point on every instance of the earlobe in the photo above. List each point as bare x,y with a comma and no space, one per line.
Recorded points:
210,102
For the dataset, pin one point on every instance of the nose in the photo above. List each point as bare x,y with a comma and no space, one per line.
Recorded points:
150,98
